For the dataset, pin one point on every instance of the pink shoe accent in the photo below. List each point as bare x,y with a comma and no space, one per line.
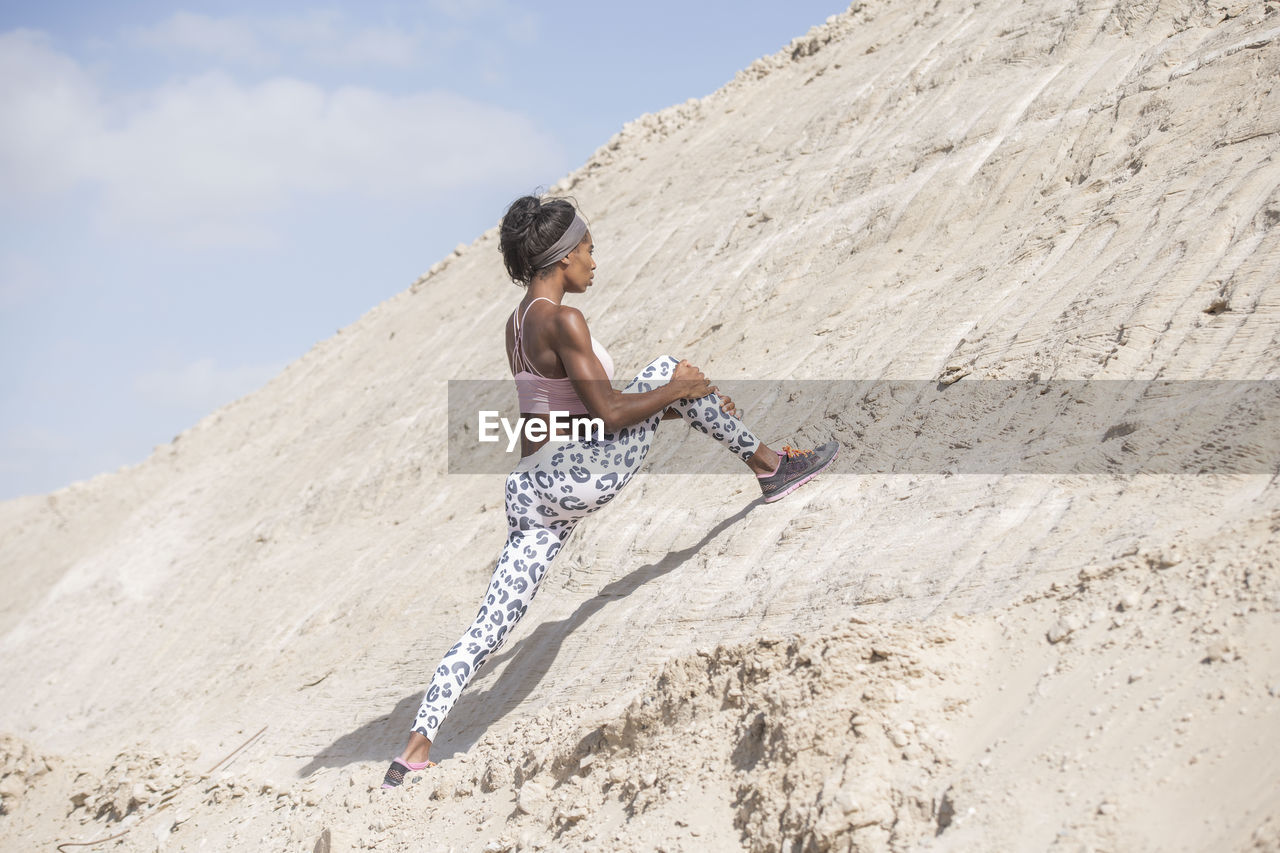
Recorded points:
390,782
797,484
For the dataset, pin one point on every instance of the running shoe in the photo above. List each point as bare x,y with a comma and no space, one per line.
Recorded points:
795,468
399,769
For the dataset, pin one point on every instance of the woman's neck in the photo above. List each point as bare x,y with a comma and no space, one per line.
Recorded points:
548,291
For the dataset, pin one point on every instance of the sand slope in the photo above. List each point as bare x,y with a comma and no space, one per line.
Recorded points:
910,191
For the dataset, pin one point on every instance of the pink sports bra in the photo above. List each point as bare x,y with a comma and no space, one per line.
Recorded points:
541,395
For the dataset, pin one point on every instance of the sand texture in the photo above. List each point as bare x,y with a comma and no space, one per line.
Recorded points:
220,648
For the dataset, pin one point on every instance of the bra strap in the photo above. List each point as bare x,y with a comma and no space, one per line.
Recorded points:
520,356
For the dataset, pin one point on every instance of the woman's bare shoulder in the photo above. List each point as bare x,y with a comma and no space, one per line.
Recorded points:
568,323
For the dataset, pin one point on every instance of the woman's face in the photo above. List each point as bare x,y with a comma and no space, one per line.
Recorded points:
581,266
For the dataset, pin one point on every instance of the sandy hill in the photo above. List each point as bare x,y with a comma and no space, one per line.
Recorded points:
223,645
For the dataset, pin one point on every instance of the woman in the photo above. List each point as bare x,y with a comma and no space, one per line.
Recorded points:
559,367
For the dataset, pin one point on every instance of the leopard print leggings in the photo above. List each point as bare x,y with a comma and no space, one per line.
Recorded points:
550,491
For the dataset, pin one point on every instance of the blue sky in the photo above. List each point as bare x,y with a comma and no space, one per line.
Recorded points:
193,195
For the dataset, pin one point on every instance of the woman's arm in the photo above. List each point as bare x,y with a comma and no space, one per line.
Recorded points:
617,410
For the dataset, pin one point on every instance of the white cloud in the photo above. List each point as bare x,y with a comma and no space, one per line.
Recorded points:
381,46
228,39
49,110
206,159
516,23
328,38
323,36
202,386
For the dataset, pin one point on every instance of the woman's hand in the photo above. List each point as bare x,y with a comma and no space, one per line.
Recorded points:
689,382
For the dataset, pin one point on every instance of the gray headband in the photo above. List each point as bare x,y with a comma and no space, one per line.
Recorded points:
568,241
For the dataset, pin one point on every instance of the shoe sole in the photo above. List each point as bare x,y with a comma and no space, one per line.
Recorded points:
798,483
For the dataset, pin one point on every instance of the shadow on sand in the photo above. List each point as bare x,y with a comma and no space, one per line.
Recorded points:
477,710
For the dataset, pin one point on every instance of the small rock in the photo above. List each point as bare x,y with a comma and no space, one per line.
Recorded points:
1107,809
532,798
1129,602
1137,674
1060,630
831,823
1161,559
570,814
1219,650
847,802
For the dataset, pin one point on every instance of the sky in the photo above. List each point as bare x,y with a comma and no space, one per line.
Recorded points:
192,196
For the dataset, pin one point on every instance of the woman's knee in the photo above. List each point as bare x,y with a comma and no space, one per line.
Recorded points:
657,372
661,367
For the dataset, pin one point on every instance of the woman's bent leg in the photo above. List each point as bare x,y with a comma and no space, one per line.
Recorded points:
703,414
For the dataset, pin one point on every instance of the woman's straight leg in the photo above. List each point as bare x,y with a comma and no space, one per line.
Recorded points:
523,564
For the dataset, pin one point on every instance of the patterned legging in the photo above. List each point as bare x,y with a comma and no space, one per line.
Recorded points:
547,495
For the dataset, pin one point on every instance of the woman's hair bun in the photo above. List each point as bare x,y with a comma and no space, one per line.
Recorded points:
526,205
530,226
